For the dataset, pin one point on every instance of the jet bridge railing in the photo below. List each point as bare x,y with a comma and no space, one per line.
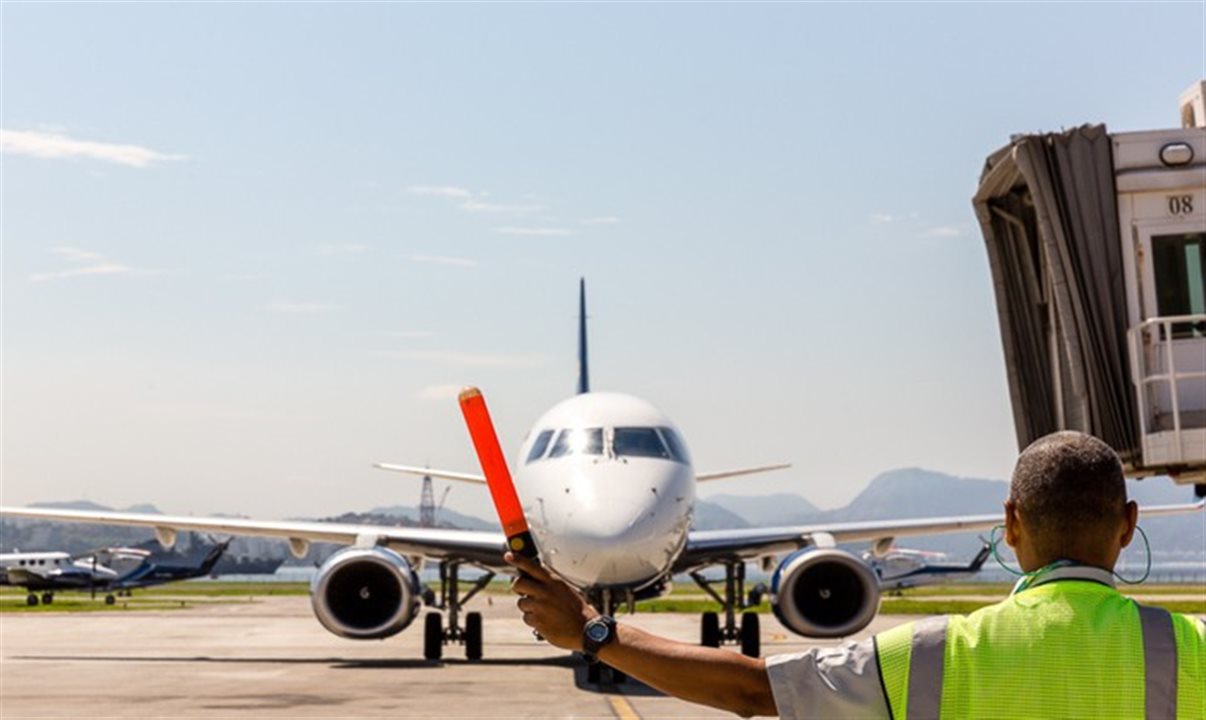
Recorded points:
1166,371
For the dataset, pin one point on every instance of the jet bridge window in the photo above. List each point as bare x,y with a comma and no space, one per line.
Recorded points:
1180,268
578,441
540,445
639,442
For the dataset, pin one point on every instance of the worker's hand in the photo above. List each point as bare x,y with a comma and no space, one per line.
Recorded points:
550,606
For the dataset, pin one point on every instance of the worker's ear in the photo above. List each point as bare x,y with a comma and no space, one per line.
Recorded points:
1131,521
1013,525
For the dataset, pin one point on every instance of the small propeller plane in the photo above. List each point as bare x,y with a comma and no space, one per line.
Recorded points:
109,570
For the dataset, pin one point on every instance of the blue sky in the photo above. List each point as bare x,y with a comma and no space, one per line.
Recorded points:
250,248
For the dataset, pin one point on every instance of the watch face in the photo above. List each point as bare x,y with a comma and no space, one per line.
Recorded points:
597,632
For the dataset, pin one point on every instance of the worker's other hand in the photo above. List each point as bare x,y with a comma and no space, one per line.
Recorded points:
550,606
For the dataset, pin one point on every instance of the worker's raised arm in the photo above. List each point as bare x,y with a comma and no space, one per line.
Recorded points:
708,676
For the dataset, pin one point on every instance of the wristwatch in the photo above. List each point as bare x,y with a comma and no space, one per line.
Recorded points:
597,633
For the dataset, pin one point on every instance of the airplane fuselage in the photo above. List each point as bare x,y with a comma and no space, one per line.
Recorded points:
608,490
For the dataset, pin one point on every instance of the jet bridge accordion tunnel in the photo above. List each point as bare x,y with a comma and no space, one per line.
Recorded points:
1097,247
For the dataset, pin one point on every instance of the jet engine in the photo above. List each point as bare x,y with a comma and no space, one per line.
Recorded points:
824,593
365,593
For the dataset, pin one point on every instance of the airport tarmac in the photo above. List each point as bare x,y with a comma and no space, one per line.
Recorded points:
271,658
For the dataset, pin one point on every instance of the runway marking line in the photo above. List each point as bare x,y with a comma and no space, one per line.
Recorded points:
621,708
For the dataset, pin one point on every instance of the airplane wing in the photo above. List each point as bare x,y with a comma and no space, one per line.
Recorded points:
705,547
65,577
442,474
719,475
23,576
481,479
485,548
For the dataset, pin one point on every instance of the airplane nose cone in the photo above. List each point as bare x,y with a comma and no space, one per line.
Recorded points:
618,544
609,523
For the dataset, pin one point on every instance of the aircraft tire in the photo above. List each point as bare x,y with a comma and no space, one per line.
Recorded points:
110,600
31,600
751,635
47,598
433,636
709,630
473,636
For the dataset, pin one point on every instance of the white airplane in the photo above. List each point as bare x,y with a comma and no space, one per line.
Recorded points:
608,489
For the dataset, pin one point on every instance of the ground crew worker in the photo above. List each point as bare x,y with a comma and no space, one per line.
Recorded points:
1064,644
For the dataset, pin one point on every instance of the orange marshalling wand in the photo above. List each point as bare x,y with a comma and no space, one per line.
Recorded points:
498,477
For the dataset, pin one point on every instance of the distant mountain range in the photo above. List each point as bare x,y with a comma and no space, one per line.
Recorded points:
904,493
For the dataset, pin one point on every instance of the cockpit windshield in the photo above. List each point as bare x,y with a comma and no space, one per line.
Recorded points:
639,442
578,441
678,450
620,442
540,445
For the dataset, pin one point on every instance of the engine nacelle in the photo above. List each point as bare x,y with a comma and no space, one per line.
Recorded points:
365,593
824,593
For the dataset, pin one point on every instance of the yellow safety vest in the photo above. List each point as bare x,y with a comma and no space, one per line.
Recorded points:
1067,648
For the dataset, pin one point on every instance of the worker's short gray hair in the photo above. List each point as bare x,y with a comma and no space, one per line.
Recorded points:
1068,482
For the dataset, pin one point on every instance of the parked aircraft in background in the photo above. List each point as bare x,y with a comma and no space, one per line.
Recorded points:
50,571
901,568
108,570
608,489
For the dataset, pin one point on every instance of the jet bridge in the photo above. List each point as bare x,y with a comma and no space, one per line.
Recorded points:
1097,246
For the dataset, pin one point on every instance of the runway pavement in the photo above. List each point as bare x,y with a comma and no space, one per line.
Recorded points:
270,658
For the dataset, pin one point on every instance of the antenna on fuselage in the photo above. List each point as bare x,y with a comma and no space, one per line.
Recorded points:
583,373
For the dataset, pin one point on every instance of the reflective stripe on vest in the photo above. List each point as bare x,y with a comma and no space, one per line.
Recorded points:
1159,663
928,656
926,666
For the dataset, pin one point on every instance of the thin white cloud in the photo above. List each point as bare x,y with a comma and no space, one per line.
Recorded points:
98,269
448,191
444,260
298,308
475,360
439,392
534,231
246,277
489,207
343,249
604,220
943,231
475,201
35,143
86,263
76,255
883,218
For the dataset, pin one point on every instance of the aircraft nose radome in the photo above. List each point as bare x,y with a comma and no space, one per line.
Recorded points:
616,544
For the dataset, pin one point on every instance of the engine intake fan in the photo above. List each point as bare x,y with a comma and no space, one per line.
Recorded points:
365,593
824,593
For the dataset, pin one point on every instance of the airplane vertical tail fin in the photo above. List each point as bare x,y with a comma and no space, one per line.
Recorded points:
212,558
981,556
583,372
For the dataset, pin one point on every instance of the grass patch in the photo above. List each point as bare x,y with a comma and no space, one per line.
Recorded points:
82,603
210,588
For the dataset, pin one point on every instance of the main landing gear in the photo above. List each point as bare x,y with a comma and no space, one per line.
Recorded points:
435,635
32,599
748,634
